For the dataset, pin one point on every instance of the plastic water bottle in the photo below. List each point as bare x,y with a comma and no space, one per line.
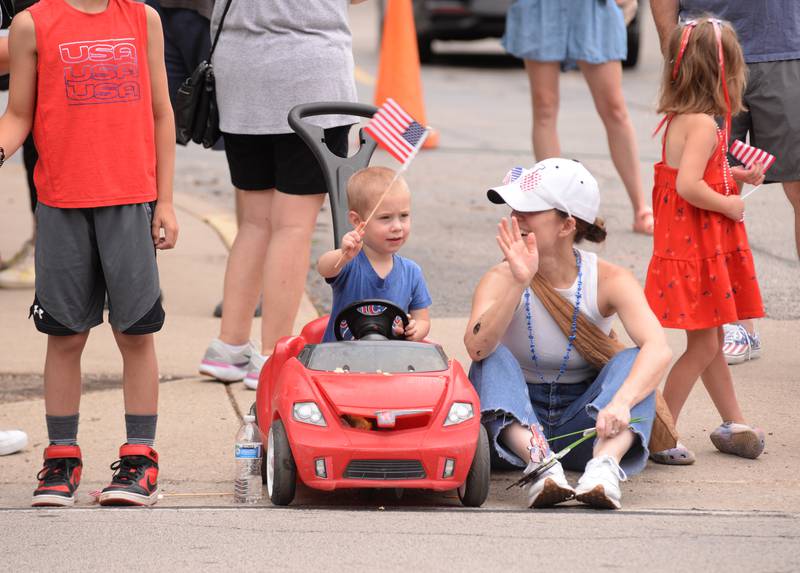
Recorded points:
248,451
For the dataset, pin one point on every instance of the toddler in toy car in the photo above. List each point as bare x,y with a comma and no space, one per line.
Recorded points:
367,265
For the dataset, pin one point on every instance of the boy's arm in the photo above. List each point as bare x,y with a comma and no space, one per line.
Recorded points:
420,324
326,265
164,120
351,245
16,122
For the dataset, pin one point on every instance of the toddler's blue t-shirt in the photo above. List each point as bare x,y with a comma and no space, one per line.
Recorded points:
404,286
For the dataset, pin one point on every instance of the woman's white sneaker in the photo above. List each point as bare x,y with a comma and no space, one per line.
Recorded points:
551,488
226,363
599,484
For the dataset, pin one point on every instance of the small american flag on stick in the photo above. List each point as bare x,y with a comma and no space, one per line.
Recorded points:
748,155
396,132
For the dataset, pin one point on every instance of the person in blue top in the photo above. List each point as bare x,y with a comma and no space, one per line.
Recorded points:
367,265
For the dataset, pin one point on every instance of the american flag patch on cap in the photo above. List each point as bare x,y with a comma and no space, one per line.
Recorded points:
512,175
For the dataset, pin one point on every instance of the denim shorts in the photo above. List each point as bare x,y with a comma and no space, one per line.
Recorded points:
566,30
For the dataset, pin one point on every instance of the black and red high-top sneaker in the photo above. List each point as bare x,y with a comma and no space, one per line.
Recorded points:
59,478
136,479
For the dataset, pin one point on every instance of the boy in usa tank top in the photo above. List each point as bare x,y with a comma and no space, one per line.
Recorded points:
89,80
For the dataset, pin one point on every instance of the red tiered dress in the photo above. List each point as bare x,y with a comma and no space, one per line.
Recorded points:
701,274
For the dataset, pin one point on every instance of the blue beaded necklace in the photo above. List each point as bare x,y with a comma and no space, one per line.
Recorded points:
573,329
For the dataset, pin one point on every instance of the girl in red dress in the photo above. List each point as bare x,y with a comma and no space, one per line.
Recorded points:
701,275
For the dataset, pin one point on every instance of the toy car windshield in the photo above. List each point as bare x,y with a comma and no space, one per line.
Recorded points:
374,356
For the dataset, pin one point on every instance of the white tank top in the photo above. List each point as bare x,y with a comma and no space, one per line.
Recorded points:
551,343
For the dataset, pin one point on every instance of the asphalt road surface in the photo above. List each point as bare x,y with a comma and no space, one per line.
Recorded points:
478,100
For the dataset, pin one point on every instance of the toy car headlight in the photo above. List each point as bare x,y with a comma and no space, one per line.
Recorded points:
459,412
308,413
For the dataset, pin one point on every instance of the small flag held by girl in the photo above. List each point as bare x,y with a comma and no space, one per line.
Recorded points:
749,155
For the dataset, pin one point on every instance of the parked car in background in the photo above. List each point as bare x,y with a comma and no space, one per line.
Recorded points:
478,19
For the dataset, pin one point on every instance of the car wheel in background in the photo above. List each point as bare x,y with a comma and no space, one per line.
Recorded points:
634,33
425,47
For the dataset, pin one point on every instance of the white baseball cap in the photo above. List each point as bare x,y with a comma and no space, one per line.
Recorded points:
557,183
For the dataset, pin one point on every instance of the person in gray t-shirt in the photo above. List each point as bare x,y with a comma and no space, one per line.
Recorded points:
271,56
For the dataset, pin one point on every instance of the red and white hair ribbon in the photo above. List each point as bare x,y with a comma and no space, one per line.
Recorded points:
688,27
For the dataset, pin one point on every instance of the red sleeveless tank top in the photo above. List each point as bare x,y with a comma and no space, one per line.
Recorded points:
93,123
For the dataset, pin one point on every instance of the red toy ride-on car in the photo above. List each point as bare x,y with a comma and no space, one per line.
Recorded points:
373,412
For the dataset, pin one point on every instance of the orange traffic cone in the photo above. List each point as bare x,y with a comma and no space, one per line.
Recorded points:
398,72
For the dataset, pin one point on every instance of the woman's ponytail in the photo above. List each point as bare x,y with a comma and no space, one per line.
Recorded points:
592,232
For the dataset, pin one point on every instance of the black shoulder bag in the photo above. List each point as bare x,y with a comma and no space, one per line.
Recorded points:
6,13
196,112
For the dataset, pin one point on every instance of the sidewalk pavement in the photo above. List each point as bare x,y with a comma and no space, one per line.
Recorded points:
198,419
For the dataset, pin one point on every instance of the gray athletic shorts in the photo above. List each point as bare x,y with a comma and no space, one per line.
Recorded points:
772,118
84,255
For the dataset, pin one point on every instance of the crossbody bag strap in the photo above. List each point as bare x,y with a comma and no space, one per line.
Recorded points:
597,349
219,30
593,344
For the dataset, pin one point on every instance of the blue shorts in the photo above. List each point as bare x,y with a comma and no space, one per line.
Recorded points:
567,30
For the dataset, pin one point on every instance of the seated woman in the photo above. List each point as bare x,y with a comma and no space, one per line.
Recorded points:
529,373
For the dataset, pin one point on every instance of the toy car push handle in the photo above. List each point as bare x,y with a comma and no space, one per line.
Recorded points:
336,170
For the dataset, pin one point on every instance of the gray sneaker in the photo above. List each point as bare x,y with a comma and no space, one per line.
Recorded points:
226,366
257,362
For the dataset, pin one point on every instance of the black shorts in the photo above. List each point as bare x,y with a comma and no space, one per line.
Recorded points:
280,161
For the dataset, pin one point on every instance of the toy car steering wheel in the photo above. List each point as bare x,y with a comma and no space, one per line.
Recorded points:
370,320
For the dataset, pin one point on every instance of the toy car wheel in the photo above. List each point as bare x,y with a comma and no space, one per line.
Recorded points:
476,489
280,468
